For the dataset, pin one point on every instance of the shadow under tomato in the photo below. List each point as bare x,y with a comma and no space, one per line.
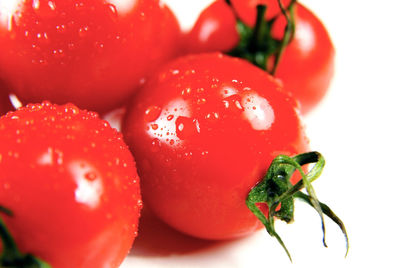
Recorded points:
158,239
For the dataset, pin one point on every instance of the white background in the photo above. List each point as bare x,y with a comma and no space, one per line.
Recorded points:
356,129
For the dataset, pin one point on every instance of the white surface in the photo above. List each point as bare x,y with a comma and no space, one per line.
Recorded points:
356,129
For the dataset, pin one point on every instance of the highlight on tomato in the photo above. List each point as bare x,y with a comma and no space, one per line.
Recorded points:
217,141
93,53
69,194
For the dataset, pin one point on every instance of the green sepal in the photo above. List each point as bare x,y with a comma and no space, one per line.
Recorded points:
11,257
276,190
256,44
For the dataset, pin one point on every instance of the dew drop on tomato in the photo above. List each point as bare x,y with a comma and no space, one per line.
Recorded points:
186,127
152,113
155,145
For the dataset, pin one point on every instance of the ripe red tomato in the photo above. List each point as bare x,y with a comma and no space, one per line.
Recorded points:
307,64
93,53
204,131
247,11
214,30
72,186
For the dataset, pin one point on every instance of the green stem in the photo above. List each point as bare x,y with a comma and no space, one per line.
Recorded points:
256,44
288,34
328,212
276,190
10,249
11,255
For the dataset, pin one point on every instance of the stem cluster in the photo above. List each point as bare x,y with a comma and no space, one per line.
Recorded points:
277,190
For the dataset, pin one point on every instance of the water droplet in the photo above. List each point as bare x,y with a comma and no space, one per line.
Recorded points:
70,108
238,105
154,126
99,46
170,117
60,28
226,103
58,53
201,101
83,31
152,113
186,127
71,46
91,176
113,9
155,145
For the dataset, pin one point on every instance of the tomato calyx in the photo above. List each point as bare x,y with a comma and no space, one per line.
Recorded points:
278,193
257,45
11,255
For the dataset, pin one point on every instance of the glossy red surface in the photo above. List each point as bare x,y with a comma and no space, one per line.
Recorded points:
93,53
204,131
71,183
214,30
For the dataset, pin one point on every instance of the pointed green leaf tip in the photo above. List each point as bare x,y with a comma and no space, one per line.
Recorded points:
276,190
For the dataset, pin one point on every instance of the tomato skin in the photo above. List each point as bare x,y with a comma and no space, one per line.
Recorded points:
247,9
71,183
91,53
214,30
5,104
307,64
204,131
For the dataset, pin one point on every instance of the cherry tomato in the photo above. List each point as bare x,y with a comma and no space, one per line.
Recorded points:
247,11
307,63
204,131
71,183
93,53
214,30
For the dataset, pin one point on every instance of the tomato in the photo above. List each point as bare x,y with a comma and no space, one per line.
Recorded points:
307,64
247,11
93,53
204,131
214,30
71,183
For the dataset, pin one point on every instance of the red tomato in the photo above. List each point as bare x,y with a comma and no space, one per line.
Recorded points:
72,186
215,30
307,64
204,131
93,53
247,11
